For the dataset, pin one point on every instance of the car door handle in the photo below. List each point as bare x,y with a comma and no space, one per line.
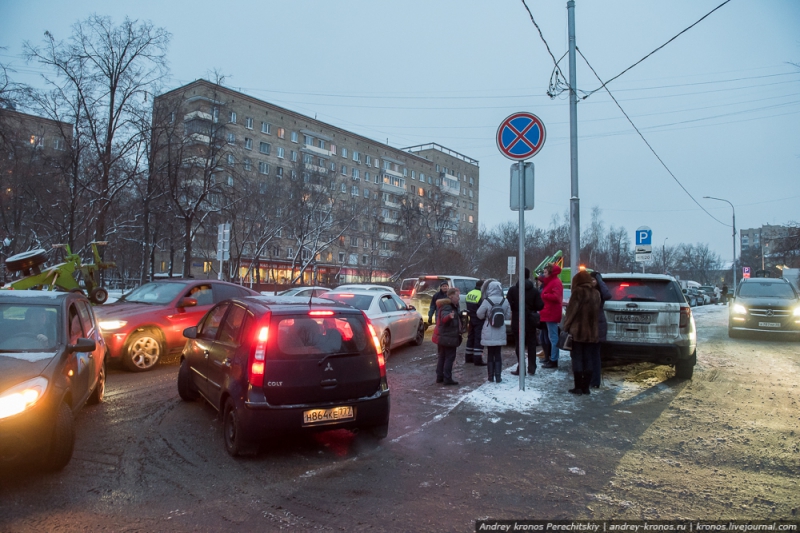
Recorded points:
205,354
226,362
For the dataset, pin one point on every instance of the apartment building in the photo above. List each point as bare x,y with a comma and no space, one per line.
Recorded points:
268,144
768,243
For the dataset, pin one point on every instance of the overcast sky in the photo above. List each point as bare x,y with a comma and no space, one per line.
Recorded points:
720,105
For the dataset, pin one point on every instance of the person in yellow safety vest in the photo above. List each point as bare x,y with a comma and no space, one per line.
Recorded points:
474,352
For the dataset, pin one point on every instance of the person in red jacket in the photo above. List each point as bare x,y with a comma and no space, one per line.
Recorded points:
553,297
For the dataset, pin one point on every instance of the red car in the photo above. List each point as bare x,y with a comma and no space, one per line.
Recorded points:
148,322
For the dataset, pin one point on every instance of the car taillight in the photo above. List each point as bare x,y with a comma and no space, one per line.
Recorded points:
320,313
258,357
686,315
378,349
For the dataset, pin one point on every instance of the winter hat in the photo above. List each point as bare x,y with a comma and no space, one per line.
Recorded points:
581,278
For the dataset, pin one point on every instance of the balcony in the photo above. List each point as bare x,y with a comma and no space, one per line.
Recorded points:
390,205
390,237
315,168
201,115
392,188
315,150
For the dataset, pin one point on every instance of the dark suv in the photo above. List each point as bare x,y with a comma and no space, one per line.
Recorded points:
764,304
285,364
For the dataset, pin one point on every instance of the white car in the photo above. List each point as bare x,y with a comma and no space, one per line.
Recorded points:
394,321
300,292
363,287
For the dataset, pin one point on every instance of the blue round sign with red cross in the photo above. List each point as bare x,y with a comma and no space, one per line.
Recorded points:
521,136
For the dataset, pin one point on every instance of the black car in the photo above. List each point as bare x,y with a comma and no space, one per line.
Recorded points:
284,364
764,304
51,364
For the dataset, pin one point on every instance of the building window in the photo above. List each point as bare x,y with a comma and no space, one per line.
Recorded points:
248,123
232,117
366,194
263,167
471,220
333,166
341,258
231,160
264,148
344,153
413,175
281,133
364,259
366,176
248,144
354,190
321,143
294,136
294,175
289,253
344,170
471,182
59,144
247,164
356,157
280,152
470,193
231,138
356,174
368,161
306,177
308,140
344,188
215,115
279,172
353,241
333,149
472,206
307,159
293,156
266,127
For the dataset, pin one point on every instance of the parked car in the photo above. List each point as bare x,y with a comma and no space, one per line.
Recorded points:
148,322
712,292
407,288
649,319
692,297
395,322
764,304
427,286
363,287
302,292
271,365
51,364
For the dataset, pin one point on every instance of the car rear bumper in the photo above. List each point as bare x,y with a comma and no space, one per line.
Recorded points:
261,419
655,353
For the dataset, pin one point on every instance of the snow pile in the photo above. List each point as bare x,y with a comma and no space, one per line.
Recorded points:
504,396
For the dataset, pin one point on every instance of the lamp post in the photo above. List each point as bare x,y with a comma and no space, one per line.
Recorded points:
734,237
664,253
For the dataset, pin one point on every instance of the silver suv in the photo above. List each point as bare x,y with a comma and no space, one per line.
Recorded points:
649,319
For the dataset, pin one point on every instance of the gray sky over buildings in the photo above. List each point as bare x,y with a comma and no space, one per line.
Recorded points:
720,105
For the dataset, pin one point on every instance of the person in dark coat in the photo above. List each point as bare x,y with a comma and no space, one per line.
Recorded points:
441,293
447,335
581,321
533,304
602,328
551,314
474,351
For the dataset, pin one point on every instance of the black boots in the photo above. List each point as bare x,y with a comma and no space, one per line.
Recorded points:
582,380
490,370
478,360
498,368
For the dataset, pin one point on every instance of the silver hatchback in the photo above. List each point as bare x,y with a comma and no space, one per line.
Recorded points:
650,320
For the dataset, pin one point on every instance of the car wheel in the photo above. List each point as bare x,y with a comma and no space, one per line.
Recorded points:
235,442
26,260
63,439
144,351
420,334
684,368
186,390
379,432
98,296
733,334
100,389
386,344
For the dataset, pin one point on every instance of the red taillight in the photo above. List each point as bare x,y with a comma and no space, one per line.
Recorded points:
624,284
259,355
686,315
378,349
320,313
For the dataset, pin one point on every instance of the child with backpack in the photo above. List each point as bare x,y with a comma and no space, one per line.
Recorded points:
494,310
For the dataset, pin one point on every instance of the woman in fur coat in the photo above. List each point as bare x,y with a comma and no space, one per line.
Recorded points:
581,321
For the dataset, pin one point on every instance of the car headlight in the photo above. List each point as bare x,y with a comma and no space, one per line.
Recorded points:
21,397
111,325
739,309
796,311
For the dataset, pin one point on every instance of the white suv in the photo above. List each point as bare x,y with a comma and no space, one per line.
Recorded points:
649,319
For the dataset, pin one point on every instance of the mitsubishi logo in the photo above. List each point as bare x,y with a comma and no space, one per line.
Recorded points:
329,367
770,312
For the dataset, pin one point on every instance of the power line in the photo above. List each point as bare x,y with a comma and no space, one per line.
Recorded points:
556,87
645,140
603,86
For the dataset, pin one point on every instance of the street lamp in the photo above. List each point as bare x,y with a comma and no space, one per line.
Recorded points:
733,267
664,253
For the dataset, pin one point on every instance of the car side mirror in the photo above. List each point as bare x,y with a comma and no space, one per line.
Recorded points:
187,302
190,333
411,308
82,345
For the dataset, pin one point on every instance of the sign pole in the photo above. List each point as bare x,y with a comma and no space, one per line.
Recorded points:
521,276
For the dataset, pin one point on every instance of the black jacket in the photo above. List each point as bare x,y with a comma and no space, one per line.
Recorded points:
533,304
439,294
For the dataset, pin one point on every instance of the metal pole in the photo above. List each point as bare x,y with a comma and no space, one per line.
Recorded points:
574,202
521,276
733,267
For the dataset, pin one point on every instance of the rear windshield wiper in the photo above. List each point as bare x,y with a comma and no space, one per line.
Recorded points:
342,354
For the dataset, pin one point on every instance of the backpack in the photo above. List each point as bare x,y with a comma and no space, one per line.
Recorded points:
497,318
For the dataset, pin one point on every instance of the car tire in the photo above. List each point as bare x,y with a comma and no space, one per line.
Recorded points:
63,440
420,337
235,443
186,389
386,345
100,388
379,432
98,296
684,368
143,351
26,260
733,334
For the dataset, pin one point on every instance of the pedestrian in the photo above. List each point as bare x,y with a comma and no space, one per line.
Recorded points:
602,328
533,304
581,321
724,294
551,314
447,335
494,338
474,352
441,293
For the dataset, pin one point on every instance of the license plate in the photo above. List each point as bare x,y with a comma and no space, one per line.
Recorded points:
769,324
327,416
632,319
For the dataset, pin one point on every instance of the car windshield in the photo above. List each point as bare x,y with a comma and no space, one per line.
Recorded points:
28,327
429,285
156,292
766,290
359,301
644,290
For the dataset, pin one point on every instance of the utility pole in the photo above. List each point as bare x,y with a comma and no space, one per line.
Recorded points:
574,201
